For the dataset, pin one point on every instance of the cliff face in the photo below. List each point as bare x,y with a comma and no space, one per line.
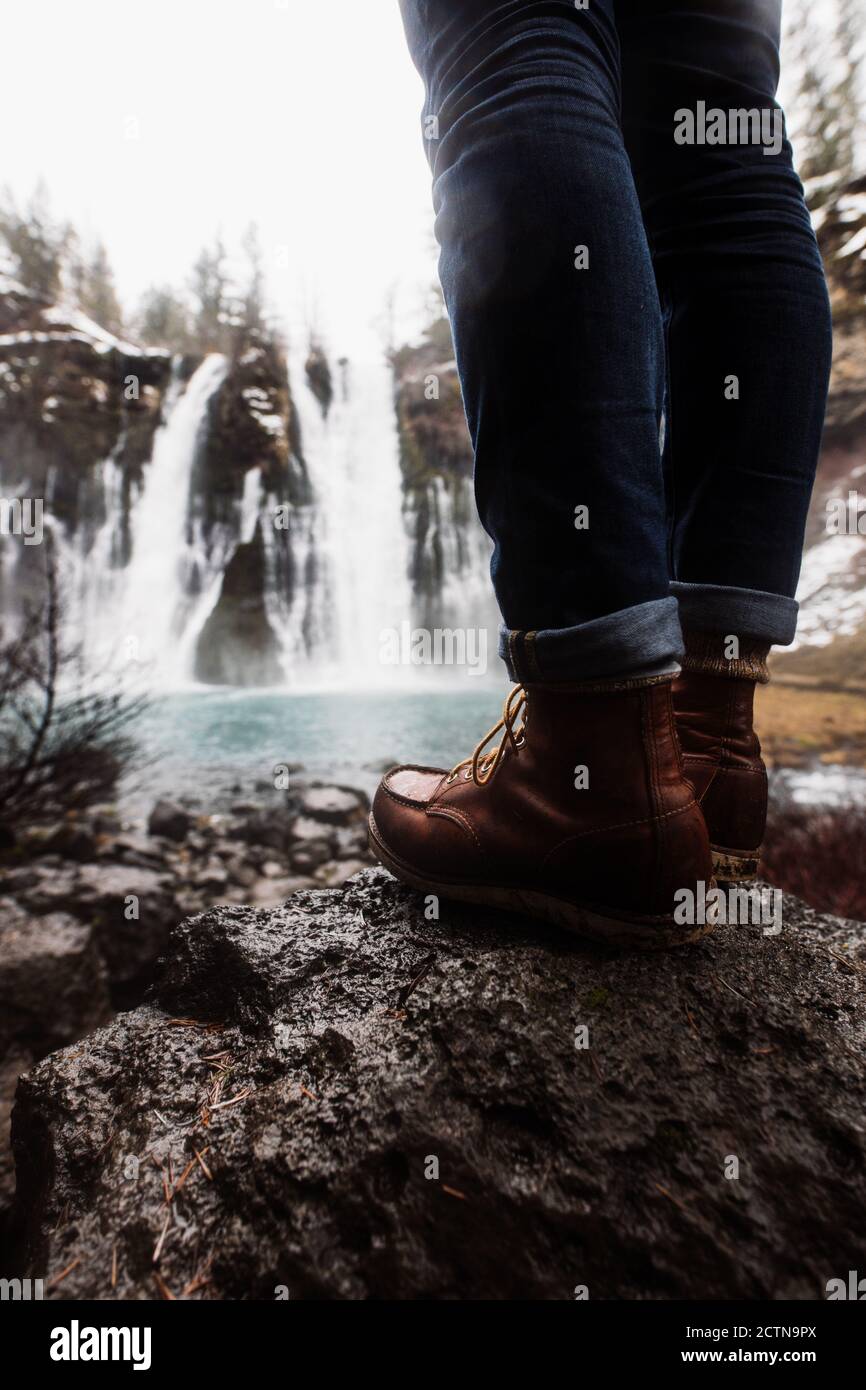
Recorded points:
78,407
339,1098
238,644
71,396
449,552
436,461
252,425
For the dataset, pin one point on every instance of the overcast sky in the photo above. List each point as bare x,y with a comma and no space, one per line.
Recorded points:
155,125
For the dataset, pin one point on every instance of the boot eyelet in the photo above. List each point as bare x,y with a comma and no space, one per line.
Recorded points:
467,774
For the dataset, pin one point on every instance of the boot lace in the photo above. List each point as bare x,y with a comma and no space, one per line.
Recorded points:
481,766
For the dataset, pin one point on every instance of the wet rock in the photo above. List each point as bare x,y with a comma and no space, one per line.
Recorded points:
72,841
16,1061
188,903
105,820
213,878
17,880
133,848
53,988
240,872
310,855
268,892
272,828
53,985
318,372
416,1114
238,644
305,830
338,805
54,889
131,909
351,841
169,820
333,874
201,841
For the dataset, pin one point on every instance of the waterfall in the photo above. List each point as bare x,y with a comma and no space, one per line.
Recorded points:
361,584
143,570
140,613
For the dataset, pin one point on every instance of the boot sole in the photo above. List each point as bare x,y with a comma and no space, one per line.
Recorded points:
733,866
636,933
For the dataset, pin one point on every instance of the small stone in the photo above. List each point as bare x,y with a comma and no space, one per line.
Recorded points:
169,820
310,855
305,829
241,873
335,804
72,841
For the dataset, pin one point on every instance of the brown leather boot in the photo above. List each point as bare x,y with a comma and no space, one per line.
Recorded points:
515,828
713,700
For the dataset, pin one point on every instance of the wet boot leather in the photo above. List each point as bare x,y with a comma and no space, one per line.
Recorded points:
516,828
722,760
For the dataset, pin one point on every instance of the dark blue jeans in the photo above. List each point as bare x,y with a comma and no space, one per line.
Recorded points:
619,265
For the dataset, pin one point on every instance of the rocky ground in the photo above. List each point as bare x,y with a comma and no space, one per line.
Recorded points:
345,1096
87,904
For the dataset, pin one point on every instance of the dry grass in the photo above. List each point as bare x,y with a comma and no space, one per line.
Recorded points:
798,725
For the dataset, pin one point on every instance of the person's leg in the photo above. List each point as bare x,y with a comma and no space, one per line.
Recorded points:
550,291
749,346
581,814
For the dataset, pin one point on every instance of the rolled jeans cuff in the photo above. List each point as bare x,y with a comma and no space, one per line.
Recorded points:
633,639
742,612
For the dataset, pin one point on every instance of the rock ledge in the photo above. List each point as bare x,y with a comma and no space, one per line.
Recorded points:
342,1099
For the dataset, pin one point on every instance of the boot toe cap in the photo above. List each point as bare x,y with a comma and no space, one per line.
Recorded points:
399,825
411,784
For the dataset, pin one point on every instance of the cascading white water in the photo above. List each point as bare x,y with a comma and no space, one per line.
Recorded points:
466,594
356,528
155,594
336,582
137,613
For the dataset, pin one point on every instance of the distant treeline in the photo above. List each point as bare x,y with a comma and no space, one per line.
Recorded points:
222,301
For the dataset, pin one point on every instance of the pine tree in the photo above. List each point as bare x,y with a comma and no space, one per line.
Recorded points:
35,242
209,286
163,320
97,295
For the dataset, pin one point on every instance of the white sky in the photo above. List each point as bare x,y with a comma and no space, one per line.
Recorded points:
301,115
